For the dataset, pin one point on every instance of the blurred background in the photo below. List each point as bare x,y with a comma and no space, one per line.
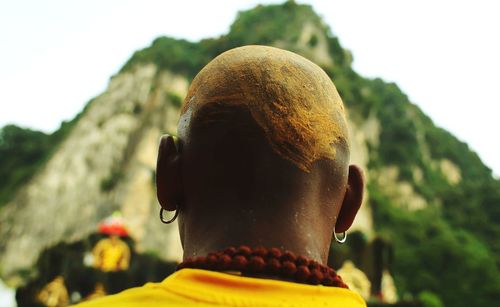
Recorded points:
89,87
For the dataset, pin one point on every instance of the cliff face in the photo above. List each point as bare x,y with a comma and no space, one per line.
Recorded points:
106,163
428,195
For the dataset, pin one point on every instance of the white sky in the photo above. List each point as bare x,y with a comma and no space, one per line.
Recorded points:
445,55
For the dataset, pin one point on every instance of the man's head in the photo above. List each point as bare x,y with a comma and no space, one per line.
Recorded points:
263,144
290,98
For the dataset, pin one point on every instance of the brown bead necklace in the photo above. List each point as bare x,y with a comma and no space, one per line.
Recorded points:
269,262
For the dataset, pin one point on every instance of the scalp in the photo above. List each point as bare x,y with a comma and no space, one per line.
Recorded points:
292,100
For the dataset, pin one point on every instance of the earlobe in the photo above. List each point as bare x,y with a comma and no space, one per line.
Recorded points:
168,174
352,199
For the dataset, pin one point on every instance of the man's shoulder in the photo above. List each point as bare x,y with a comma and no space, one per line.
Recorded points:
149,295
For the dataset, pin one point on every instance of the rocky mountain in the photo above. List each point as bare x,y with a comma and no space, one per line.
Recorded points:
106,163
429,196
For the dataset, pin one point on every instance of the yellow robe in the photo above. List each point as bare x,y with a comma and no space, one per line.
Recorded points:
192,287
111,254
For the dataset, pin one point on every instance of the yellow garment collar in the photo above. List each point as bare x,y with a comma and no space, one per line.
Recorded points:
226,289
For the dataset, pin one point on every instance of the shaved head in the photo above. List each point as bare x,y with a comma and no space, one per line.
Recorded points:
262,157
290,98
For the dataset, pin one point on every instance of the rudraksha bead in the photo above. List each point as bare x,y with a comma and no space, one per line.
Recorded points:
244,250
274,252
257,264
271,262
273,266
302,273
239,263
288,268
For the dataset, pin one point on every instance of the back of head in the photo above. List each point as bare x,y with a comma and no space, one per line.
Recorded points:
290,98
262,135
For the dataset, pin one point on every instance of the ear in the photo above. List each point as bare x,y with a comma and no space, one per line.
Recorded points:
168,174
352,199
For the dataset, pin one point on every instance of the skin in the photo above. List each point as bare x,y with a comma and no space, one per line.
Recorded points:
231,188
290,98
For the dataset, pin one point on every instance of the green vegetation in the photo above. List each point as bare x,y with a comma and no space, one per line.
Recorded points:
180,56
446,254
432,255
450,250
108,183
262,25
24,151
313,41
175,99
266,25
430,299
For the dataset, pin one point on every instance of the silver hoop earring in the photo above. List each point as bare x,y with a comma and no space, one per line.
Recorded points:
164,221
337,239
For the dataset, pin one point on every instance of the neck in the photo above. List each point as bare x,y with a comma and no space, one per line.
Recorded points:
303,233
